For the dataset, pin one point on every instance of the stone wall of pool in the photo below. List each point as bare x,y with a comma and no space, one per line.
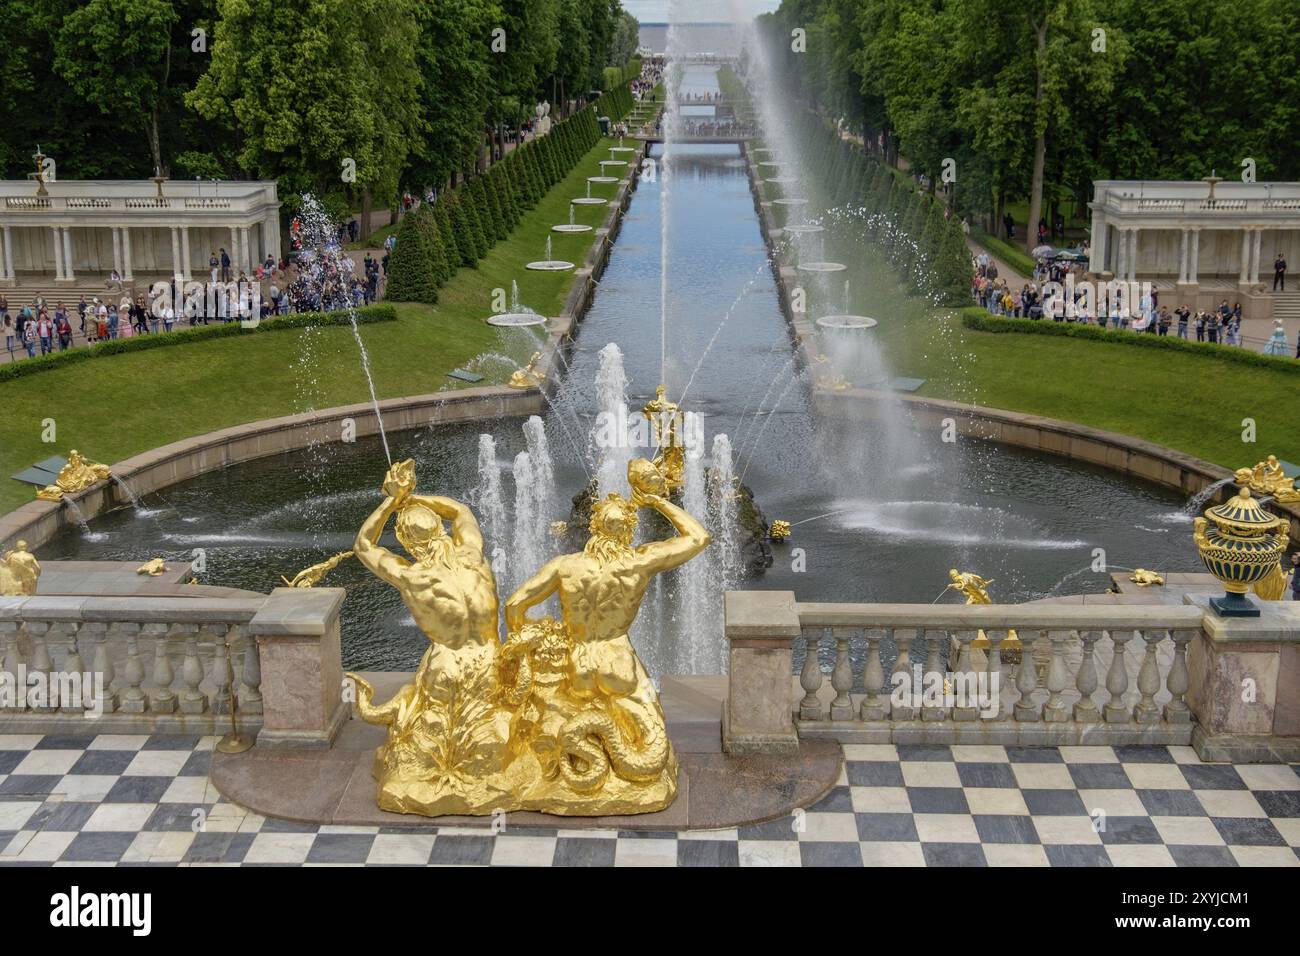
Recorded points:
39,521
1122,453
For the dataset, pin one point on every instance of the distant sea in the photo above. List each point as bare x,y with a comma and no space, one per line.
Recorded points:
693,37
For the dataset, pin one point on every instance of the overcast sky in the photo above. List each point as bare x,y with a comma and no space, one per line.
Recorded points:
700,11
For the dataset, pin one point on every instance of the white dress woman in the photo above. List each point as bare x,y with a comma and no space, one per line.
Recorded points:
1277,345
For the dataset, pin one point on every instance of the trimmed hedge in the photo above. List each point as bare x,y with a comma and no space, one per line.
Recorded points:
469,220
199,333
977,319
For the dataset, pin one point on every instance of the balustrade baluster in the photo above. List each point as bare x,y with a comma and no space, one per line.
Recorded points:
74,665
1117,681
162,699
1058,678
1148,680
15,696
965,687
902,665
1026,708
192,700
132,699
842,677
102,668
42,669
810,678
1177,711
933,706
991,697
1085,682
875,706
250,693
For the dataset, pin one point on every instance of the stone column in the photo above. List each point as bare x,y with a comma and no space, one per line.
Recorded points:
1182,256
176,255
1121,254
126,254
761,627
185,252
117,250
1243,275
9,253
234,252
1133,254
297,635
245,251
1254,256
58,253
68,272
1194,257
1097,251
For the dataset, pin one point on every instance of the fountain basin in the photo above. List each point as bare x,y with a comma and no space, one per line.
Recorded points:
571,227
550,265
821,267
790,202
612,162
516,320
622,149
847,322
804,230
602,179
589,201
782,180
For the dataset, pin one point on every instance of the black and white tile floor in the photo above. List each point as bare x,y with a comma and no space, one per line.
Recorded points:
136,800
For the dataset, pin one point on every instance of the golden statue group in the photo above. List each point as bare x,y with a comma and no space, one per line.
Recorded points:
560,718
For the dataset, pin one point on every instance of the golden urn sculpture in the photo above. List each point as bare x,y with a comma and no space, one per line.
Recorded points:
1240,543
561,717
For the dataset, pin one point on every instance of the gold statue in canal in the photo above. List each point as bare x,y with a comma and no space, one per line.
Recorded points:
311,576
562,718
976,590
666,417
528,376
77,475
1268,478
19,572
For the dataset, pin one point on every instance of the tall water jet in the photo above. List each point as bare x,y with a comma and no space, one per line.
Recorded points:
526,549
610,435
539,454
491,506
697,602
722,512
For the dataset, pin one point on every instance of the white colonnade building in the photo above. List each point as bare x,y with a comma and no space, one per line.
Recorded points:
81,230
1206,240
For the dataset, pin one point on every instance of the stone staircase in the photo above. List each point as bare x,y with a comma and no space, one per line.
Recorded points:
1286,306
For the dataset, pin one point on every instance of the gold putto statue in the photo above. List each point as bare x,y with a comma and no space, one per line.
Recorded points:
976,590
562,717
19,572
311,576
77,475
153,567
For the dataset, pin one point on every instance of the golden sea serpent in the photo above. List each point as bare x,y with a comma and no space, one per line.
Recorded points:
594,738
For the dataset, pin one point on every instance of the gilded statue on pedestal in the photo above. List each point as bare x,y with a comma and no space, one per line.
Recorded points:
562,717
19,572
976,590
1268,478
77,475
666,418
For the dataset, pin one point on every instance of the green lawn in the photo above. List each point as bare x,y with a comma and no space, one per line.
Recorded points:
119,405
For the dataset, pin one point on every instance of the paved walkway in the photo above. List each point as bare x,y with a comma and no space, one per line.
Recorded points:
136,800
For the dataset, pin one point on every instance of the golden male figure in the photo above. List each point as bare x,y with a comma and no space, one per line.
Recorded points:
446,738
616,722
19,572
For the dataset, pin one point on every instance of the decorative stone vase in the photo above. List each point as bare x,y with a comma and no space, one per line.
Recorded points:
1239,543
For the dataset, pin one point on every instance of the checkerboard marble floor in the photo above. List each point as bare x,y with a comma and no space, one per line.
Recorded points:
136,800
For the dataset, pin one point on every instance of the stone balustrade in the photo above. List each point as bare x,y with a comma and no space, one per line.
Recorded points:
143,664
1086,674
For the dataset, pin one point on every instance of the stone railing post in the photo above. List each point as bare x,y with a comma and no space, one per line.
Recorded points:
1243,677
758,715
298,644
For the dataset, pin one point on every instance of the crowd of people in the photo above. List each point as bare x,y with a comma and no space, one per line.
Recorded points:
1040,298
42,327
652,74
